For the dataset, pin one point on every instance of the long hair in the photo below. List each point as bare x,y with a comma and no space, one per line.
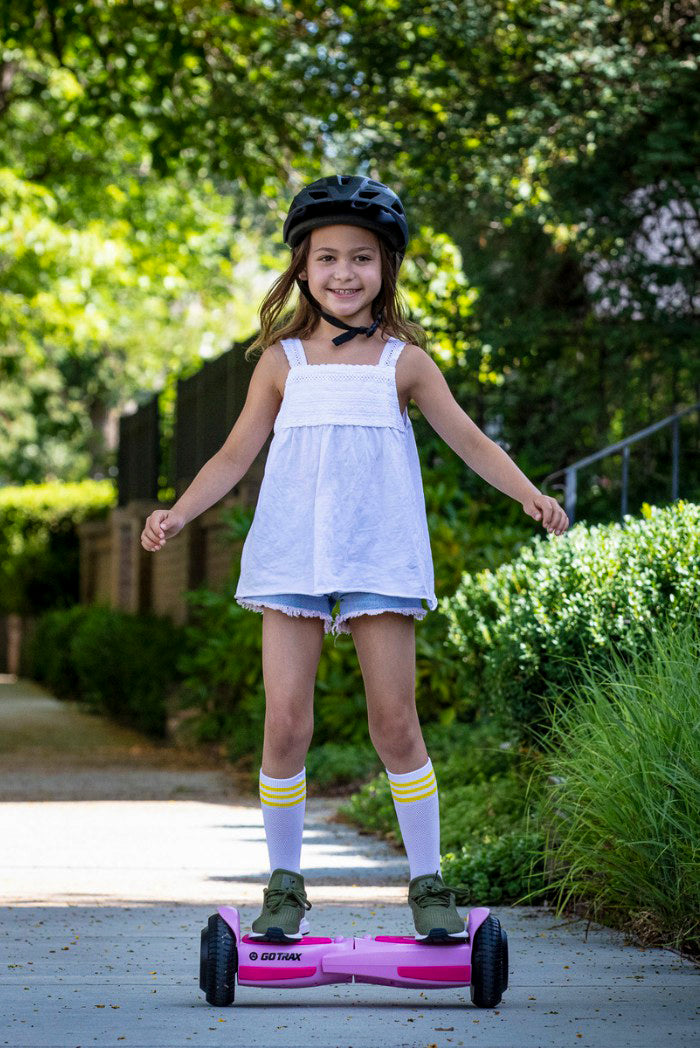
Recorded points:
303,321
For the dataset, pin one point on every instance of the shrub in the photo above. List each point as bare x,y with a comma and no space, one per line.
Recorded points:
523,630
118,664
125,666
340,764
39,544
223,679
221,673
48,655
478,752
499,870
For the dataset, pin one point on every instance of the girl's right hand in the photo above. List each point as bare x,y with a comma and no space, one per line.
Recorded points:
160,526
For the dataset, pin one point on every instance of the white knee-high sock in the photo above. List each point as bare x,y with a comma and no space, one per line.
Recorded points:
283,803
415,796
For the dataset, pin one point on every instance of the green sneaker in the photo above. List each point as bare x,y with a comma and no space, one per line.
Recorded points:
434,911
284,901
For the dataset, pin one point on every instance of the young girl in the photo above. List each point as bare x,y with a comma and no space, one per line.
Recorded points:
340,517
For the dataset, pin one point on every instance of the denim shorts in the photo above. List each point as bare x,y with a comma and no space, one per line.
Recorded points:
320,605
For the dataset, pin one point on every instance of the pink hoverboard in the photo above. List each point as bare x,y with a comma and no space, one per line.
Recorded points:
480,961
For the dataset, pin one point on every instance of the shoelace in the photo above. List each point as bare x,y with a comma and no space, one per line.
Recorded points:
276,897
434,893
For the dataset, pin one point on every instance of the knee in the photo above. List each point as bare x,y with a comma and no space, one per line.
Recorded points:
394,729
287,731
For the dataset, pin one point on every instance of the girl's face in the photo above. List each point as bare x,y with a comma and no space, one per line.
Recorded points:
345,258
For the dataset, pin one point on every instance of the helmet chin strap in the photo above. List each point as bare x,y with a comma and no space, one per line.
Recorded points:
350,332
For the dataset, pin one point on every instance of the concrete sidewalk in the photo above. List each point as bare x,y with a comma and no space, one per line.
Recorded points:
102,900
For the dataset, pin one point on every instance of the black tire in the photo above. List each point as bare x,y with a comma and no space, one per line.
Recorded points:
487,964
504,961
218,962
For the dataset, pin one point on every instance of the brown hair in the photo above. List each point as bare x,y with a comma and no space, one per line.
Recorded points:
304,320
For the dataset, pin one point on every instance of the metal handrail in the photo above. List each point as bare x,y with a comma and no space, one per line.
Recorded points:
571,471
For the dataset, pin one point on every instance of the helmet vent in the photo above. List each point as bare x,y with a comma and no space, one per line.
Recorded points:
356,199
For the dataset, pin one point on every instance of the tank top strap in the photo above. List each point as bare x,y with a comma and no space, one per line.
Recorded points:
294,351
390,353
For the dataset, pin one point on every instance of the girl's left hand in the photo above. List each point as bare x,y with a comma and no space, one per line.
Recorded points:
547,509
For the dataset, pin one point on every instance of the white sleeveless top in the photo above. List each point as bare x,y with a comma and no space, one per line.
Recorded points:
341,504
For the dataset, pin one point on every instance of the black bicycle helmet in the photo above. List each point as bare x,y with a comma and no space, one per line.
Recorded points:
352,200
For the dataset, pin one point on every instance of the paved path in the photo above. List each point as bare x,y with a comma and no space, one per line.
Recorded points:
115,852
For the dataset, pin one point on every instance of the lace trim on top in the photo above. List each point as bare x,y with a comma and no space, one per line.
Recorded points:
294,350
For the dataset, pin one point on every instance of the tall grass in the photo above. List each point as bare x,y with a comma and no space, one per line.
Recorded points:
621,815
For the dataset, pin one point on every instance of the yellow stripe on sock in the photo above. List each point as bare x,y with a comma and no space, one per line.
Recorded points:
407,800
283,797
282,804
411,787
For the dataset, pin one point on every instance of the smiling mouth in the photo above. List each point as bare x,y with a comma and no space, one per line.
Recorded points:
344,292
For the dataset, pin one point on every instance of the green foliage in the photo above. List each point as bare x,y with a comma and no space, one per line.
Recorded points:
334,764
481,810
106,304
534,146
472,811
222,672
47,657
486,843
39,541
117,664
478,752
499,871
524,629
621,809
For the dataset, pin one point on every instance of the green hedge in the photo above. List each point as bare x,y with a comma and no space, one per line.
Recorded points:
118,664
39,547
47,656
522,631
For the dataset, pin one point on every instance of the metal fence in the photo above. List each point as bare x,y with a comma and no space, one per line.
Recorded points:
208,404
571,472
138,454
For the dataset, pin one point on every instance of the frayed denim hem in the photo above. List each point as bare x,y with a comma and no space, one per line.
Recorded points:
306,612
339,626
335,627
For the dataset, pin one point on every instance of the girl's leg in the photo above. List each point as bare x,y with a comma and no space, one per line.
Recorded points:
291,651
386,651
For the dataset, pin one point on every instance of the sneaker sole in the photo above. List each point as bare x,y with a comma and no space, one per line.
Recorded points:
441,936
275,934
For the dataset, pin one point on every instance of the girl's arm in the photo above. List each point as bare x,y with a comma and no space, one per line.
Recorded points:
238,452
231,462
429,389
